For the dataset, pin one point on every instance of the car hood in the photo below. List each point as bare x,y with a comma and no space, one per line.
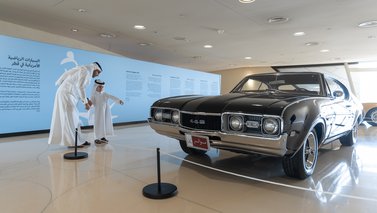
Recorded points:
253,103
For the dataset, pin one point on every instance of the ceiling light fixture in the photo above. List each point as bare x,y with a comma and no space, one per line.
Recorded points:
277,20
82,10
178,38
220,31
312,43
299,33
367,24
139,27
144,44
248,57
74,30
324,51
207,46
107,35
246,1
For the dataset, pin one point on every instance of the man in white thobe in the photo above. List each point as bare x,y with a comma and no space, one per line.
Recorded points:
103,124
65,116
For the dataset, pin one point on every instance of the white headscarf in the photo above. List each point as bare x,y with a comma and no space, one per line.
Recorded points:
95,85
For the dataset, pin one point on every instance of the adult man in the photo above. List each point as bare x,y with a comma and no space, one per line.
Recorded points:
65,116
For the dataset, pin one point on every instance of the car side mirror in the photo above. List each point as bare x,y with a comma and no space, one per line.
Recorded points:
338,93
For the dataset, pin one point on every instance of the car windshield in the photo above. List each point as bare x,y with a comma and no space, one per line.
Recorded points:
307,83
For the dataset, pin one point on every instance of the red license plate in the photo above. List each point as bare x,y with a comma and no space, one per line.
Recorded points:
197,142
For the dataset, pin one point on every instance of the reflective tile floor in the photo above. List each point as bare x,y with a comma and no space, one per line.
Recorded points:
35,177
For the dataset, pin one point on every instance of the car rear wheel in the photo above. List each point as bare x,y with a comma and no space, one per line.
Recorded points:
302,164
372,114
190,151
350,138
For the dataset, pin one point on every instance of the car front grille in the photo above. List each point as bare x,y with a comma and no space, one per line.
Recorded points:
201,121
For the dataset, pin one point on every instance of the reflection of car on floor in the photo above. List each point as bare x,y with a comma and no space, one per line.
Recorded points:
276,114
370,110
336,177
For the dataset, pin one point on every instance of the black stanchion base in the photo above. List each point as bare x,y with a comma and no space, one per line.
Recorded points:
167,190
75,155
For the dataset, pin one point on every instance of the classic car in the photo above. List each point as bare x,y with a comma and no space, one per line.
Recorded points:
370,110
289,115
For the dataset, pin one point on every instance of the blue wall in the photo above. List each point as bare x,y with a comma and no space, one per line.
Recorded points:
29,69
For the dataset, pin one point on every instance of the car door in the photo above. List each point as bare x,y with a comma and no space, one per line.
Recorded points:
341,106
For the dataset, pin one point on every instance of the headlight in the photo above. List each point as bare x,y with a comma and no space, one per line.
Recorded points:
270,126
158,115
236,123
166,115
175,117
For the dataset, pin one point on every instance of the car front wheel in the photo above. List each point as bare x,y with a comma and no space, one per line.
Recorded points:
302,164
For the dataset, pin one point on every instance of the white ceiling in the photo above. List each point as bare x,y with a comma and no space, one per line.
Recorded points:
178,29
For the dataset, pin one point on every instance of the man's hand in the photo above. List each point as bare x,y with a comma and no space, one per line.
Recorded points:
87,106
121,102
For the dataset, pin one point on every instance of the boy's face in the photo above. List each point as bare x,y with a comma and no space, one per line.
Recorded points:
99,88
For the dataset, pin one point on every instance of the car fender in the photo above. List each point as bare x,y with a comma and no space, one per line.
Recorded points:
299,119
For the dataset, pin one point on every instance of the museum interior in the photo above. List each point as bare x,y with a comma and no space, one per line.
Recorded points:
192,106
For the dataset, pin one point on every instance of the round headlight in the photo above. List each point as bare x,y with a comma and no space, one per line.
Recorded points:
175,117
158,115
236,123
166,115
270,126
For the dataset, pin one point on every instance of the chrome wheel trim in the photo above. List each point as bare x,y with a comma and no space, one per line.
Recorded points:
373,116
310,152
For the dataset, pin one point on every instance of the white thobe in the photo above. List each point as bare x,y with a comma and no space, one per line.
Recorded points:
65,116
103,124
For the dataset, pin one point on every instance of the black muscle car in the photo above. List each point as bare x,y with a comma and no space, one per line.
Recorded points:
278,114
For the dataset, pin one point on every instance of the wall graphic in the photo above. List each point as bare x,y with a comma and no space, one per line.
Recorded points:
29,69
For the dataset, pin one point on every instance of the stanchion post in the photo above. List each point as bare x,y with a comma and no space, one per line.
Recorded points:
159,190
75,155
158,170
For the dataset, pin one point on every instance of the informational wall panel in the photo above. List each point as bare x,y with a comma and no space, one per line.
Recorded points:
29,69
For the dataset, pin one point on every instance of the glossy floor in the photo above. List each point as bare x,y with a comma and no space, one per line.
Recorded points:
35,177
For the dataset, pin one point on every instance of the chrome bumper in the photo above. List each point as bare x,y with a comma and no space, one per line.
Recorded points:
227,141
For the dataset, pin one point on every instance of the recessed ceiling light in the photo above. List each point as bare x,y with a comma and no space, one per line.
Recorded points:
107,35
246,1
74,30
207,46
299,33
82,10
324,51
144,44
313,43
220,31
178,38
139,27
368,24
248,57
277,20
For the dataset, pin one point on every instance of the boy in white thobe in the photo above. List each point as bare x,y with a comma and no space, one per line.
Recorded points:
103,124
65,116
